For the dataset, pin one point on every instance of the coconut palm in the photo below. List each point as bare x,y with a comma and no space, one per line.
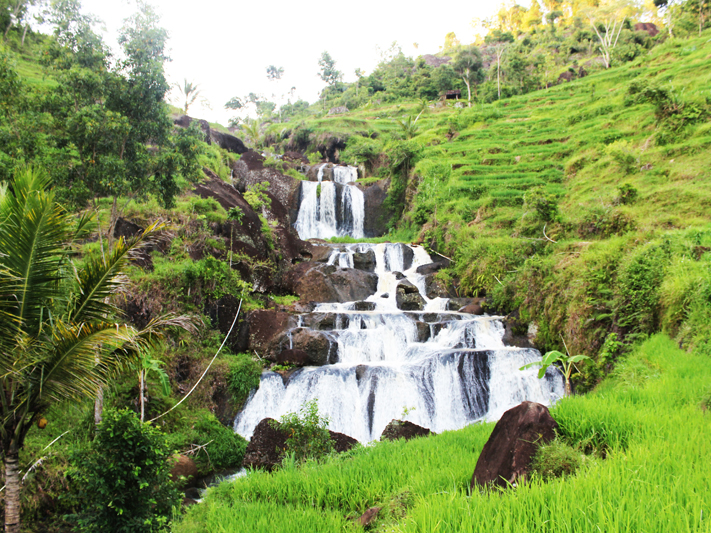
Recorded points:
189,92
58,340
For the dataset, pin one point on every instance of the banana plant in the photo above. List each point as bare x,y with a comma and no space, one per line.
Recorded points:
567,362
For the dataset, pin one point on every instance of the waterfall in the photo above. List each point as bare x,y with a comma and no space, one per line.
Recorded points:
331,208
452,368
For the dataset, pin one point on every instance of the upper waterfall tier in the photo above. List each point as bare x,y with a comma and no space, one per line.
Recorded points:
446,369
331,208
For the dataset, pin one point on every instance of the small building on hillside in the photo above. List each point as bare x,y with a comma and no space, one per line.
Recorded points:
454,94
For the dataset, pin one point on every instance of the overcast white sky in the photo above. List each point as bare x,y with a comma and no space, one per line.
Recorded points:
225,46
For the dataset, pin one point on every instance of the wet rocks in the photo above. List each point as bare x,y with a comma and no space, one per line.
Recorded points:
267,446
402,429
319,347
377,216
364,261
507,455
423,331
407,256
516,332
267,329
364,306
476,307
293,357
408,297
326,283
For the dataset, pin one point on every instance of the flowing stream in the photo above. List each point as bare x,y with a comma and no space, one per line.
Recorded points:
331,208
444,369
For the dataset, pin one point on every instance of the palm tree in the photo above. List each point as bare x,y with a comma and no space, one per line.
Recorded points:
190,91
58,340
252,130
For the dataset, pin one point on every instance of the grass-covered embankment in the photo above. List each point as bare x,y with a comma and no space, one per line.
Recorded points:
648,420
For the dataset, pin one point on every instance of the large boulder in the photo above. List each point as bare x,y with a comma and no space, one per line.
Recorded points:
516,332
436,288
267,331
317,282
648,27
268,444
507,455
377,216
408,298
402,429
266,448
319,347
184,471
223,140
364,260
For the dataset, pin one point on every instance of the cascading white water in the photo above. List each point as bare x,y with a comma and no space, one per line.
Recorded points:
331,208
452,368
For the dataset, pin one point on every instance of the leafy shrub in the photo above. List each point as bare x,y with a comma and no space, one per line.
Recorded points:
308,434
256,196
628,194
223,448
244,376
624,155
543,204
123,477
605,221
556,459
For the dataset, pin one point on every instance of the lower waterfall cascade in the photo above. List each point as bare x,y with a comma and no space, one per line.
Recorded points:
331,208
444,369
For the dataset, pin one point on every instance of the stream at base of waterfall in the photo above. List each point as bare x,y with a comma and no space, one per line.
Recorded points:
441,369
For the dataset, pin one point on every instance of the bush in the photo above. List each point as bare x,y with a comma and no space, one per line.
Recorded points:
309,437
543,204
123,477
244,376
556,459
223,448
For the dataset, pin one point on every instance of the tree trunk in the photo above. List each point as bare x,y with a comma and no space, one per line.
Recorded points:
98,406
141,386
469,92
568,389
12,492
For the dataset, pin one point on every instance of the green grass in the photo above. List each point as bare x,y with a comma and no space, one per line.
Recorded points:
655,475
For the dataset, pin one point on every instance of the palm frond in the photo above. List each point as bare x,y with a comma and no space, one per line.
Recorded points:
100,278
32,238
82,359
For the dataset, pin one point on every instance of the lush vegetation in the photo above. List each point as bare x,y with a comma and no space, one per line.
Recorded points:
569,186
639,440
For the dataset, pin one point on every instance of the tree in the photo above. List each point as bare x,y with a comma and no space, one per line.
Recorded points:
499,50
467,64
608,21
124,477
329,73
190,92
58,338
274,73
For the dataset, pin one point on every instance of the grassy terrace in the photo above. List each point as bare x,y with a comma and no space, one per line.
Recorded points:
645,431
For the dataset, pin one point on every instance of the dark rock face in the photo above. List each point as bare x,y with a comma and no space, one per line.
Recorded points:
455,304
250,170
423,331
126,229
516,332
326,283
223,140
649,27
319,347
399,429
435,288
474,308
408,298
292,357
342,443
320,253
364,261
267,330
432,268
407,256
376,216
267,446
364,306
507,455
